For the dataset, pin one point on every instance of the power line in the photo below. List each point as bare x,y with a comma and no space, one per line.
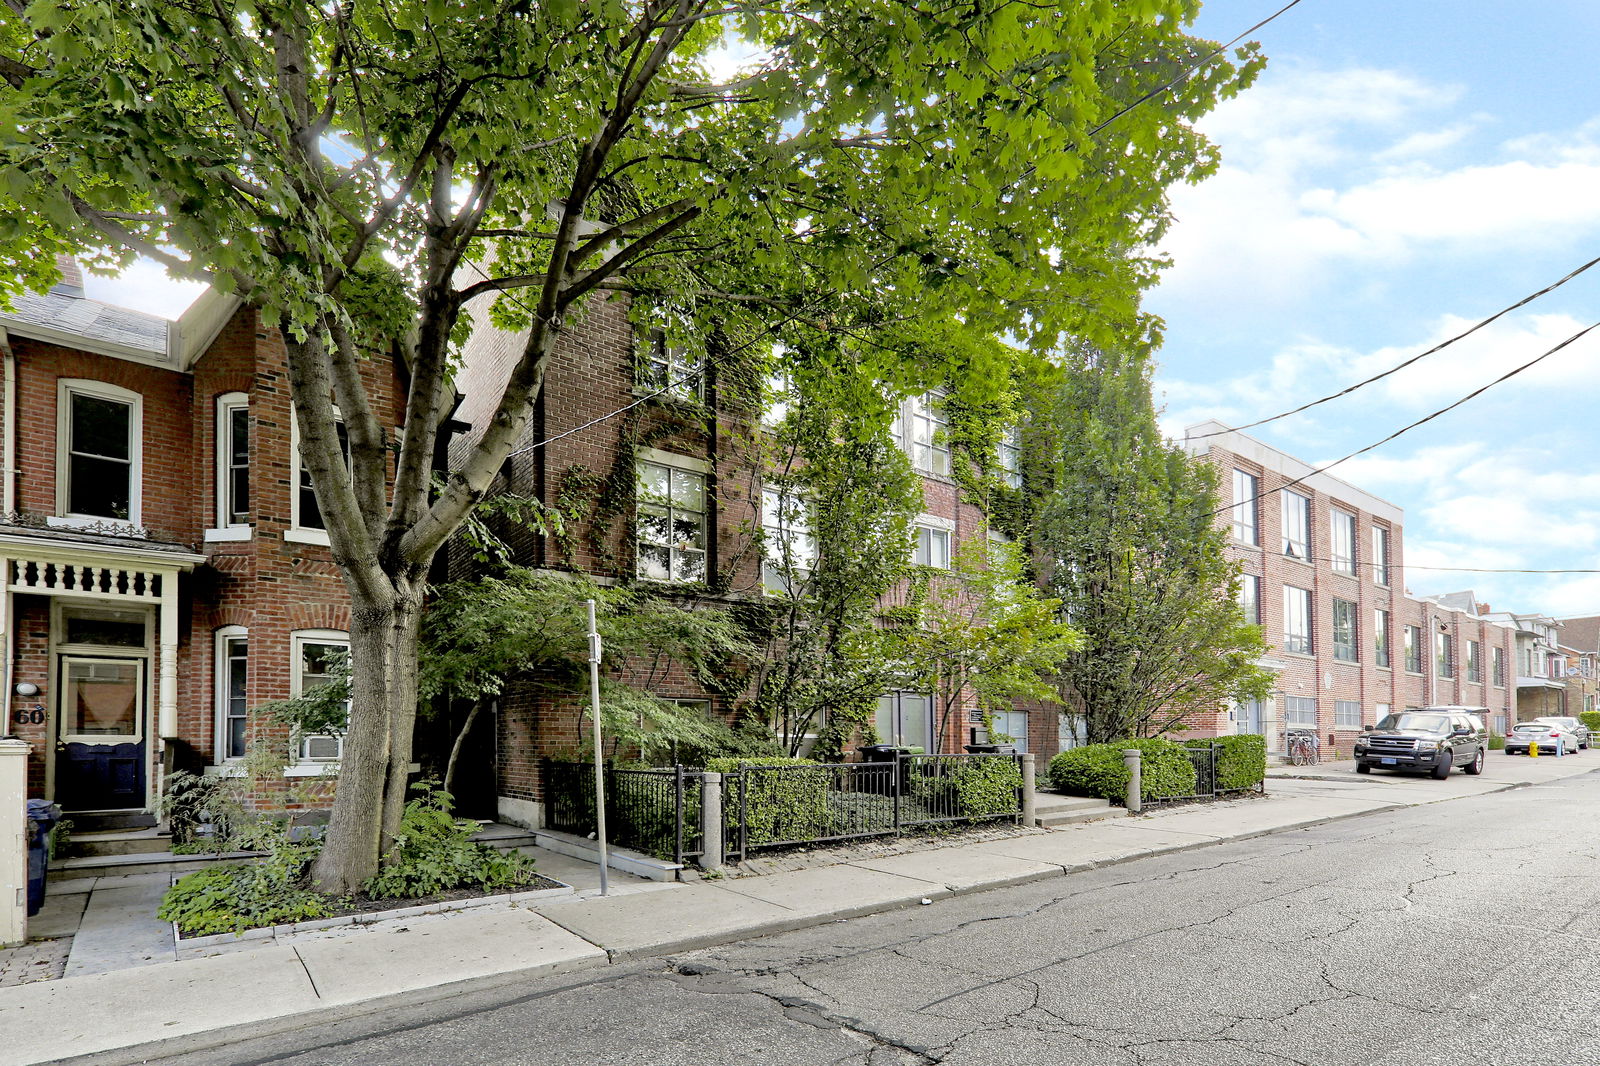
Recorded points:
1183,75
1507,376
1414,359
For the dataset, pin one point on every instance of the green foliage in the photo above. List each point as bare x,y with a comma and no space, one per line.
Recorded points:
1241,760
323,710
235,896
976,787
59,837
790,804
529,625
434,853
1126,525
1098,770
1590,719
1497,742
193,800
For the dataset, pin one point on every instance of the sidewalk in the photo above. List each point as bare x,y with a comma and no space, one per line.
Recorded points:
320,977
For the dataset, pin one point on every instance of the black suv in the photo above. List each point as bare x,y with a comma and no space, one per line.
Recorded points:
1427,738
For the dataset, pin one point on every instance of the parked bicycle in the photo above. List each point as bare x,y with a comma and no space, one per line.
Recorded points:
1304,749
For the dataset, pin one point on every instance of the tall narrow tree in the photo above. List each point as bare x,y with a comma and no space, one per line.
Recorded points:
1130,544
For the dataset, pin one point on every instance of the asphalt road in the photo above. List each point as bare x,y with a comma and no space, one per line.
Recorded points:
1461,933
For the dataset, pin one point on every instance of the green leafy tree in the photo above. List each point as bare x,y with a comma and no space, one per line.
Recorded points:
363,172
1128,541
981,632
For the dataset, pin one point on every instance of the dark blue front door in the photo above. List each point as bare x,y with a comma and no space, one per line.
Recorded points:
100,760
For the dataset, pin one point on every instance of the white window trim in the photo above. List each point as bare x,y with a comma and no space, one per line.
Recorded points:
66,388
296,533
301,766
1338,516
219,680
773,552
226,404
692,391
688,465
1306,533
926,405
932,522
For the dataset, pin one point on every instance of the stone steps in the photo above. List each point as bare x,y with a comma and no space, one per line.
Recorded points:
117,842
1053,810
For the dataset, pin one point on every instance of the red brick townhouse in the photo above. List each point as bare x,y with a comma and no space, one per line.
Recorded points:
1324,576
163,557
693,499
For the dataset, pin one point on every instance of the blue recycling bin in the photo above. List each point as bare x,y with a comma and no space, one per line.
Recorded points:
42,817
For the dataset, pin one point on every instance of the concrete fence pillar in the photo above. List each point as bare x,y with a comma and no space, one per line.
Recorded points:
1029,815
13,842
711,822
1132,759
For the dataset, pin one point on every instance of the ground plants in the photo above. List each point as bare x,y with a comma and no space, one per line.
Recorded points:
1241,760
434,852
235,896
1098,770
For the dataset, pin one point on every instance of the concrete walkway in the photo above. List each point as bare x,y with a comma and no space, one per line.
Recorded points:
134,1014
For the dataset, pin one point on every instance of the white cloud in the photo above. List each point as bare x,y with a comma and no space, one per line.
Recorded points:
145,286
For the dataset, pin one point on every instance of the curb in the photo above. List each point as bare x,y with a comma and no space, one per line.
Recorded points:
221,1037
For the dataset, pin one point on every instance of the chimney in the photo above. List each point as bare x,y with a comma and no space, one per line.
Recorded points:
71,283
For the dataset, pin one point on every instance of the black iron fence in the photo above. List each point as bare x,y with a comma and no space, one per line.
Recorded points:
1204,761
653,811
772,806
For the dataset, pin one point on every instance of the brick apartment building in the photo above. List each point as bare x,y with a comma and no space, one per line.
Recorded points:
164,563
1555,668
1324,576
680,501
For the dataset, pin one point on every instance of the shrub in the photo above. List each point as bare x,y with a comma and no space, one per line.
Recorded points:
434,853
1098,770
1241,760
788,803
985,787
1590,719
235,896
194,800
1497,742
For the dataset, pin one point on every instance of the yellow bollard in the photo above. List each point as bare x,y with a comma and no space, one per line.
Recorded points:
1533,749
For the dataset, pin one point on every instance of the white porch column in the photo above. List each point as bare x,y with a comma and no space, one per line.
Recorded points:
167,685
7,645
13,842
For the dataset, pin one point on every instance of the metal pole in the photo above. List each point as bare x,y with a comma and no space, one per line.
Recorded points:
599,763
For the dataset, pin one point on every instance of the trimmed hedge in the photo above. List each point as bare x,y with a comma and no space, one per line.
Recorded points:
1590,719
1241,760
1098,770
791,805
984,787
1497,742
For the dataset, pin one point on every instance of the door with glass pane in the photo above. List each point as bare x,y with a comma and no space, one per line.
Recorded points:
906,719
100,738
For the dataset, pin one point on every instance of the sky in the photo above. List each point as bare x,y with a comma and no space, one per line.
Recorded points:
1399,172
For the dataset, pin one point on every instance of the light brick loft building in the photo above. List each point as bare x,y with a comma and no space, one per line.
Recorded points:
1324,576
162,557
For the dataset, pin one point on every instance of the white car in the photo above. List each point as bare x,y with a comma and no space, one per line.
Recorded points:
1550,736
1571,725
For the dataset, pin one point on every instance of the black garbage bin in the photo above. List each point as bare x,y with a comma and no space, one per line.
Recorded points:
884,783
42,817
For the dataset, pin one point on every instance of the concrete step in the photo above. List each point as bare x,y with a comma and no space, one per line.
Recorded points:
505,837
1064,810
117,842
120,865
108,821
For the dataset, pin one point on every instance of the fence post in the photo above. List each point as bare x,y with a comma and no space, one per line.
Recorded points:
13,842
1131,758
1028,814
711,821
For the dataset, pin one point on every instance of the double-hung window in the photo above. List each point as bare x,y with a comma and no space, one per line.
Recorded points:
1008,451
1342,542
1296,525
233,462
1344,631
1380,637
671,519
233,659
1474,663
307,519
1413,648
671,371
1444,658
923,433
318,657
788,550
1246,505
99,428
1347,714
1497,663
1250,598
931,544
1380,555
1296,620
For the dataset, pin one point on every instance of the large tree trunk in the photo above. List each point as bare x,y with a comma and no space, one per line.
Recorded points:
377,746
